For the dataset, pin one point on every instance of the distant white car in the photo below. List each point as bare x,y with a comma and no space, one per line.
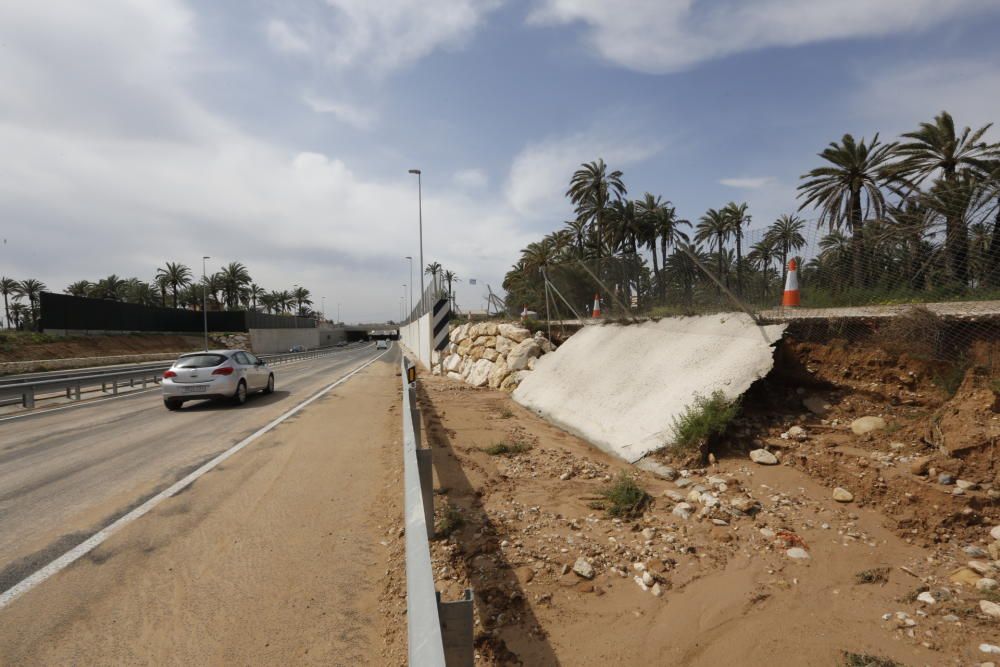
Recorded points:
382,345
230,374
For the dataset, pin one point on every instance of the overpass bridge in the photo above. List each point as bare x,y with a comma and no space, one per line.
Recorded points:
365,331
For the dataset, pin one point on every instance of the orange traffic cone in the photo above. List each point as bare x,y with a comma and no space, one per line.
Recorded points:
597,306
791,296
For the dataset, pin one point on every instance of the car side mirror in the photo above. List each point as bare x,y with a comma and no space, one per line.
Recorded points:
260,362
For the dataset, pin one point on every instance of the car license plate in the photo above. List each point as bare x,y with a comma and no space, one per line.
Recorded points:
196,390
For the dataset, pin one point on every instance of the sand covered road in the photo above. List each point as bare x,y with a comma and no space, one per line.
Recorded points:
274,557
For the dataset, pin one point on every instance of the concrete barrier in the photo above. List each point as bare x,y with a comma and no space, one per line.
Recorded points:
415,337
276,341
621,386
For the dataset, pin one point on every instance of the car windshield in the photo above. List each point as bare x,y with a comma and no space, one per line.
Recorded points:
200,361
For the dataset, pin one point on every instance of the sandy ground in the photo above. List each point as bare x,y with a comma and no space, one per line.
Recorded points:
17,347
729,593
275,557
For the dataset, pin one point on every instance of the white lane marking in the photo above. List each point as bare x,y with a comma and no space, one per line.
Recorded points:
100,536
95,401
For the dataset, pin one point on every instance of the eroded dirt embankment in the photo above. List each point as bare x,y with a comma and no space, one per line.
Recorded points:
733,562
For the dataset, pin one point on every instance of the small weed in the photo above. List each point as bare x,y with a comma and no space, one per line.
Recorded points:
507,448
892,427
950,377
704,418
506,413
624,498
451,519
865,660
876,575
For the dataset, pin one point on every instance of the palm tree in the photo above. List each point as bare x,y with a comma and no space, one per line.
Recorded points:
214,285
162,283
111,288
786,235
18,313
849,189
668,228
232,278
177,276
935,148
736,216
140,292
8,288
714,228
32,289
79,288
591,189
761,254
682,269
648,210
451,277
578,230
256,293
301,297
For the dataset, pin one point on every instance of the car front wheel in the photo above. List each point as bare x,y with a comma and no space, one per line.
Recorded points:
269,389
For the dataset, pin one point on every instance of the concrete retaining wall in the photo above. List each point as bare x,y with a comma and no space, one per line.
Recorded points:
276,341
621,386
416,337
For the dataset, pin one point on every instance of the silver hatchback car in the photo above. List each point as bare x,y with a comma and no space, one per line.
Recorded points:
228,374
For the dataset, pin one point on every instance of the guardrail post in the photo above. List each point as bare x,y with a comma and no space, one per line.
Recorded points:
28,398
457,630
67,392
114,387
77,392
426,471
104,387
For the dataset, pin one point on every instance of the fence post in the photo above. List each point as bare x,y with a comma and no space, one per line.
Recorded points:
457,630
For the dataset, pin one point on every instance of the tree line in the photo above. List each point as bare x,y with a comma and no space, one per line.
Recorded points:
917,215
173,286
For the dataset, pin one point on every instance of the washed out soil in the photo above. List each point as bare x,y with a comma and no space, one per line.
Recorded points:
731,562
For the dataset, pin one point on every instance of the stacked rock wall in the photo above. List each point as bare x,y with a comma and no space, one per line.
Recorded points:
498,355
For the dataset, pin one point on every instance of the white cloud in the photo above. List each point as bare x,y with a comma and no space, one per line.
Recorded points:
356,117
283,37
118,167
471,178
540,173
381,36
669,35
895,99
746,183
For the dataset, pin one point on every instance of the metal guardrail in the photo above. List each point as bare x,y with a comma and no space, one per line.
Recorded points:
28,391
439,633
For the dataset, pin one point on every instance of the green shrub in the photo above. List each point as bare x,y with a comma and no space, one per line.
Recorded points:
507,448
877,575
624,498
865,660
704,418
449,521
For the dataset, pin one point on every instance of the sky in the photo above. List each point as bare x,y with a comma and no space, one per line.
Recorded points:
279,133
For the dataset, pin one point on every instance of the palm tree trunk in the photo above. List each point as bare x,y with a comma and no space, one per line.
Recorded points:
957,242
718,255
663,256
739,262
857,242
992,254
656,269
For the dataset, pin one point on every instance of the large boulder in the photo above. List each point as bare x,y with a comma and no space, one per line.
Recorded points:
544,343
504,345
452,363
518,358
491,354
481,340
489,328
479,374
464,347
511,381
513,332
458,333
498,374
456,376
476,353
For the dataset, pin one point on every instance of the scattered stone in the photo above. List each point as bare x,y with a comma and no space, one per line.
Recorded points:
583,568
763,457
986,584
990,648
995,533
975,552
649,533
565,476
674,496
647,578
842,495
798,553
683,510
816,405
982,568
966,485
964,575
945,479
684,482
767,533
926,598
797,433
657,590
950,618
991,609
863,425
745,505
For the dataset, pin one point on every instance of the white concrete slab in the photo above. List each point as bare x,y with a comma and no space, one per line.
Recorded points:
621,386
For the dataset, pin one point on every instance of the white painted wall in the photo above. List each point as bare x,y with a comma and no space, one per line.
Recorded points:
621,386
415,337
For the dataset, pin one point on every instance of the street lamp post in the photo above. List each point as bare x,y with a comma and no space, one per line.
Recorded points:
204,298
411,281
420,220
338,312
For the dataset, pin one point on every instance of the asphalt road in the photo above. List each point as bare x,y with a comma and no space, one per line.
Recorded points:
68,473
